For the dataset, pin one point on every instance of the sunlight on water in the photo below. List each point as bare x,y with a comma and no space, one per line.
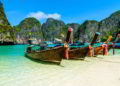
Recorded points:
14,66
16,70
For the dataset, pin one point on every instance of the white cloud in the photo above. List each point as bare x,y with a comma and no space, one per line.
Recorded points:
41,15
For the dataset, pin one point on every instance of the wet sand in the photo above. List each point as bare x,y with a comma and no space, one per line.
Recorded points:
94,71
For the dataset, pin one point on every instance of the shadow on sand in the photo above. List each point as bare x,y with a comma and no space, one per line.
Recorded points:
45,62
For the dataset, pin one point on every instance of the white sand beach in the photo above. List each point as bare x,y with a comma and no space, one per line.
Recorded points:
100,71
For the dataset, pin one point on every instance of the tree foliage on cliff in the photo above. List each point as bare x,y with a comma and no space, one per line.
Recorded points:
29,23
29,27
87,30
52,28
5,27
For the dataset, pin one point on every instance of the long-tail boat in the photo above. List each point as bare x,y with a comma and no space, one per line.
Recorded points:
113,45
117,46
99,50
78,53
53,55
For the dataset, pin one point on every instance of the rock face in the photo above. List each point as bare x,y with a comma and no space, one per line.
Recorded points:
6,31
29,27
52,28
110,24
3,18
86,30
106,27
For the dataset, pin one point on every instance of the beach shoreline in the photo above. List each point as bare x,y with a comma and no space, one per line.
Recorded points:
93,71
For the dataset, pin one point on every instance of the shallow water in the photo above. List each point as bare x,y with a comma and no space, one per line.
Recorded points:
17,70
14,66
13,56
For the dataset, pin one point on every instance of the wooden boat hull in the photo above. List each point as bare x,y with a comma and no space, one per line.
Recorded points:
79,53
53,55
99,50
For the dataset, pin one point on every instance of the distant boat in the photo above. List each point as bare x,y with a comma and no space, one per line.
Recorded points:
33,41
53,55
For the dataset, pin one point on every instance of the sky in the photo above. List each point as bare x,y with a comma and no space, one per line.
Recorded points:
69,11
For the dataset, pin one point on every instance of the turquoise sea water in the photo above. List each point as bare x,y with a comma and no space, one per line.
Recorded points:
14,55
17,70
